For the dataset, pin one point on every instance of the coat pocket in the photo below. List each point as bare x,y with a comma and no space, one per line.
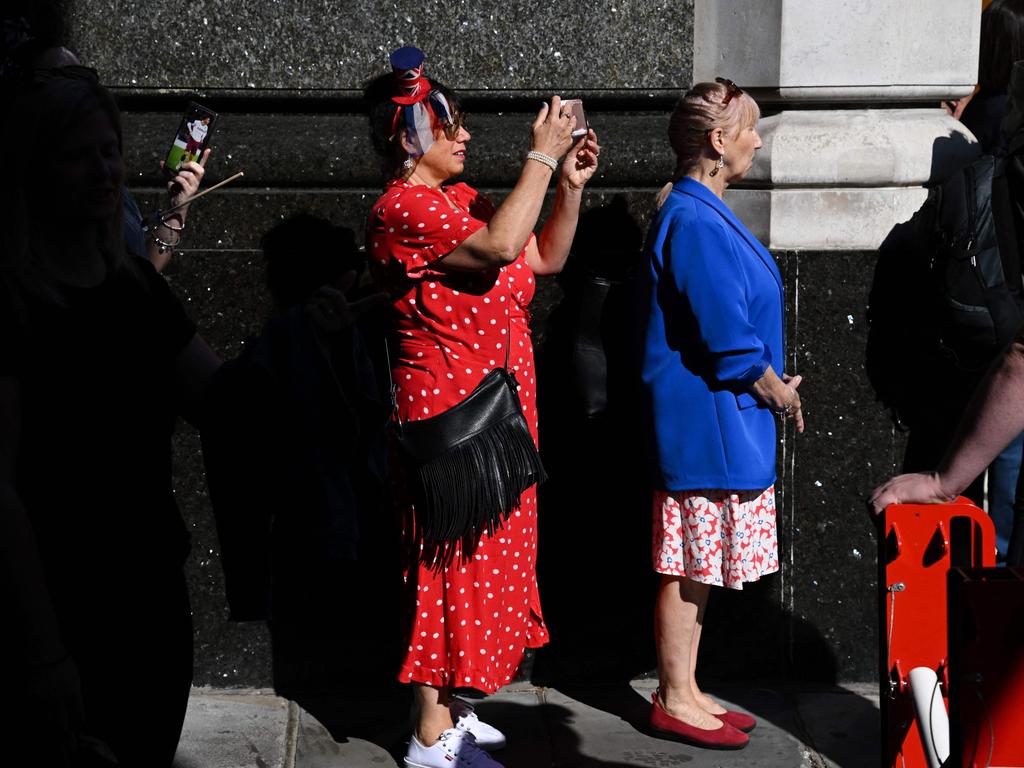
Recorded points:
745,400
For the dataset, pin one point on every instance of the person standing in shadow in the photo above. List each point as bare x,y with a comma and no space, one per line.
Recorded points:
296,459
97,360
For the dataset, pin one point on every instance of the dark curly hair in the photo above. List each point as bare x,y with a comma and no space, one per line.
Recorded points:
381,112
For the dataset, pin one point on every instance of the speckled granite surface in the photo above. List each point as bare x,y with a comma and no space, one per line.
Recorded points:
288,44
301,158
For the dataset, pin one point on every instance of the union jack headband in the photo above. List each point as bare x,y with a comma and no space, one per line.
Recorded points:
412,95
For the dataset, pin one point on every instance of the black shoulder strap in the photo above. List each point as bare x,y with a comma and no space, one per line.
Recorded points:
393,389
1008,218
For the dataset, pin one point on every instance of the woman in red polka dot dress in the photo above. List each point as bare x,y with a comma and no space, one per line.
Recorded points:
461,274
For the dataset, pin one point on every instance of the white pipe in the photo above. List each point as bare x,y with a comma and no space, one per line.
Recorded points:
932,720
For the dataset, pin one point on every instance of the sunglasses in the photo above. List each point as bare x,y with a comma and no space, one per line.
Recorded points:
451,129
731,90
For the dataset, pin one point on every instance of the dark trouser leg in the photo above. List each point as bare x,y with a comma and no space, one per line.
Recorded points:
1015,551
135,660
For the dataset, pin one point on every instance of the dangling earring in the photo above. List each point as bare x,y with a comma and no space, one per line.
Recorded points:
409,164
718,166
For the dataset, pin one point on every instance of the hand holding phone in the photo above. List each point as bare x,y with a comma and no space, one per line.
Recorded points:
186,182
193,137
574,107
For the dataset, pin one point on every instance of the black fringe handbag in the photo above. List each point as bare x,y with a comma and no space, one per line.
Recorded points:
467,467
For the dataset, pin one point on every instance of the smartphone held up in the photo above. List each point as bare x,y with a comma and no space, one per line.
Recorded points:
193,137
574,107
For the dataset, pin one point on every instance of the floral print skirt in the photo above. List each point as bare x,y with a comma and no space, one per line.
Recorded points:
718,537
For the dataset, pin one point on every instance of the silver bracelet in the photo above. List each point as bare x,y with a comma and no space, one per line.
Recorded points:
540,157
162,245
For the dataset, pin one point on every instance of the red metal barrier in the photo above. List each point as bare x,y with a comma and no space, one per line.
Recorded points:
986,666
920,545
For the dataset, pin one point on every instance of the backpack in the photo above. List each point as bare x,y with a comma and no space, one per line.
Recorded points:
946,296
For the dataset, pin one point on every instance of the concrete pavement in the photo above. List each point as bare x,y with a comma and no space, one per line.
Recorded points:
594,727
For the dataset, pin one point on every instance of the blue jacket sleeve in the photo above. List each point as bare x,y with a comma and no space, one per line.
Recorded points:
707,271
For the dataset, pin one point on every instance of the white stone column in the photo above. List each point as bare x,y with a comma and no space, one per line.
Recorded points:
849,143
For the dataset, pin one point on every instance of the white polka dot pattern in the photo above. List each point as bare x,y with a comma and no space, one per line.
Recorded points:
473,619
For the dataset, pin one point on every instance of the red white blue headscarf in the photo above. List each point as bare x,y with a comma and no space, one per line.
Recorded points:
422,107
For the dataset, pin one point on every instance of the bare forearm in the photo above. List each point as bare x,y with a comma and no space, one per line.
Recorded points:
159,240
993,418
556,238
512,223
159,256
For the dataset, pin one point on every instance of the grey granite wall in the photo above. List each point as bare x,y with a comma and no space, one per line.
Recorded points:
285,76
322,45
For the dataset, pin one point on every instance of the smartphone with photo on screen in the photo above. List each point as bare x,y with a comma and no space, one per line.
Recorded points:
575,107
193,136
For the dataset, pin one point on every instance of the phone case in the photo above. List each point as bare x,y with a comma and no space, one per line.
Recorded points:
575,107
193,136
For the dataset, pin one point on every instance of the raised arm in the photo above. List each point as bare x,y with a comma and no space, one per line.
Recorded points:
183,186
547,256
501,241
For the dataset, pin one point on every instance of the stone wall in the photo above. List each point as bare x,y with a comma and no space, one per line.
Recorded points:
285,78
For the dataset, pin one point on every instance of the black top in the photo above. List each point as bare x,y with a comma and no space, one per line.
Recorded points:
983,116
98,410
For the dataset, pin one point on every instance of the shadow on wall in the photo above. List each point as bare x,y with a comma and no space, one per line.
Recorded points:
594,532
950,154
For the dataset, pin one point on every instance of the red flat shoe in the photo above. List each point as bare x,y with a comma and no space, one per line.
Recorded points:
741,721
668,727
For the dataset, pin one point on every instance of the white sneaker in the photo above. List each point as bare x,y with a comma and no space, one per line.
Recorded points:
487,736
455,749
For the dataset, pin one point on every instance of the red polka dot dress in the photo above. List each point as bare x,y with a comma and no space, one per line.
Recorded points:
473,619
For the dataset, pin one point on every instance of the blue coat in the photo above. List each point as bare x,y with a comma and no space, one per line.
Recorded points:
712,323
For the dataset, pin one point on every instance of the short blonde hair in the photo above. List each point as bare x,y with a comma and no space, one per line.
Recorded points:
701,110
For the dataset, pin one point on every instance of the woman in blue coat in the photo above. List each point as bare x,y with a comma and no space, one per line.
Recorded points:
712,353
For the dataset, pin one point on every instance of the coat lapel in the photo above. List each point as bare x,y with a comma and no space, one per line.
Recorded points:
694,188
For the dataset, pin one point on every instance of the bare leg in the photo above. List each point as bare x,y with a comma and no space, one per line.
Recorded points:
677,615
706,702
432,714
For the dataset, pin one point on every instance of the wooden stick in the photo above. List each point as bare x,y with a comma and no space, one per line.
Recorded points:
206,191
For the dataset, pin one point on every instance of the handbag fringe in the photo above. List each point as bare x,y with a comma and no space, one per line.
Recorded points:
471,489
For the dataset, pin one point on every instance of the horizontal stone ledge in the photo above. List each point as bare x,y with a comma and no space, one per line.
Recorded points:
297,150
841,219
866,147
350,99
344,101
875,93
